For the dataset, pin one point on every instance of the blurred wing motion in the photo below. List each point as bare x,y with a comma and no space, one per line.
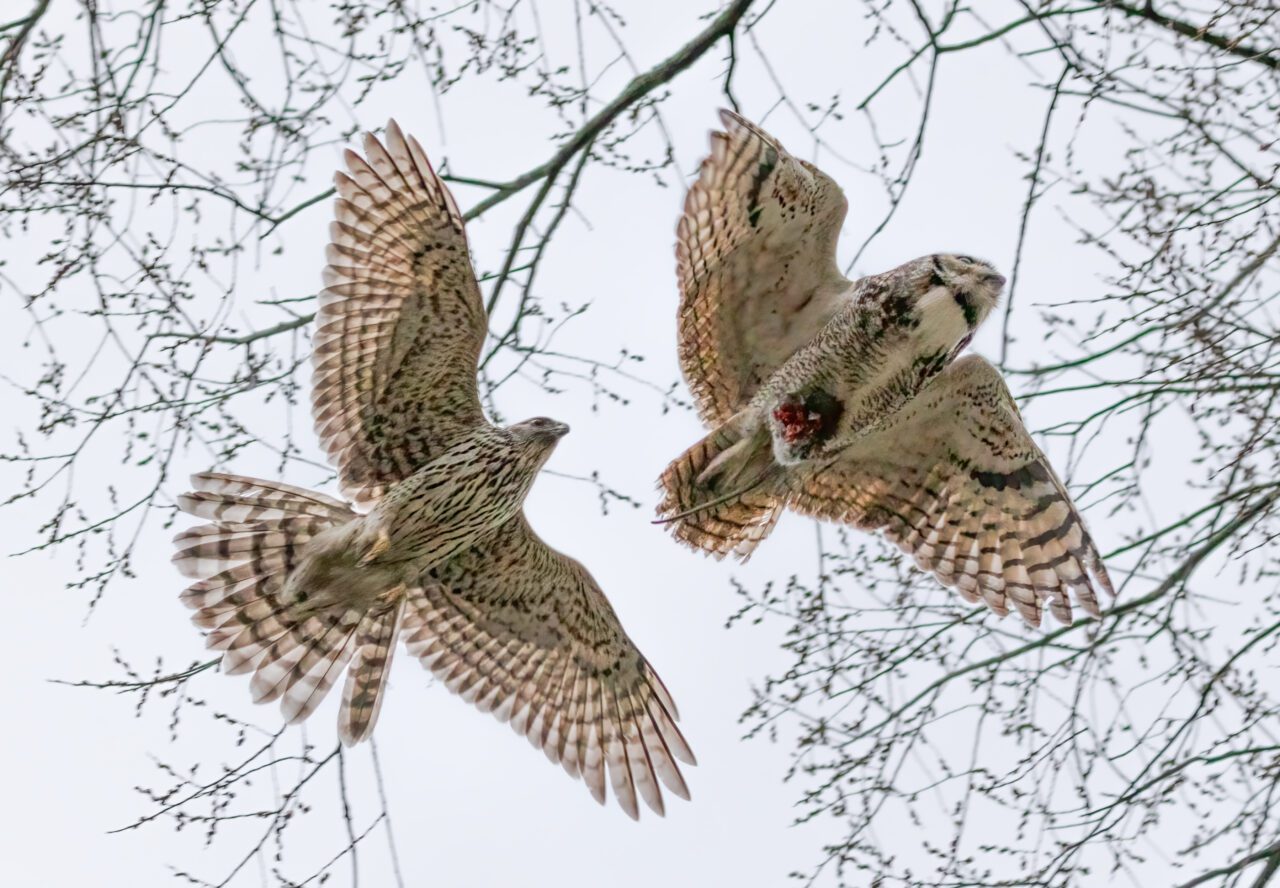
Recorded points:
956,481
523,631
400,323
756,259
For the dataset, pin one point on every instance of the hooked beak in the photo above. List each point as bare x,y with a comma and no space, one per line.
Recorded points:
558,431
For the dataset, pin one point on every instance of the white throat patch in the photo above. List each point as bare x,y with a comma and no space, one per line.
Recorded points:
942,321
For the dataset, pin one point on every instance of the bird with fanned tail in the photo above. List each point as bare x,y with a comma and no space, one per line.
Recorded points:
300,589
849,400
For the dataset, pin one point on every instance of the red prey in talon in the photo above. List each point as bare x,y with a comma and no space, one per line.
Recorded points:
798,421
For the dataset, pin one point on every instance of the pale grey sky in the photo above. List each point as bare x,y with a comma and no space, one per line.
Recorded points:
473,804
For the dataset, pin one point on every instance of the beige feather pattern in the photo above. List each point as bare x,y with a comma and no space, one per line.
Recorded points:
956,481
297,588
756,260
240,563
400,323
746,512
524,632
375,641
847,400
232,498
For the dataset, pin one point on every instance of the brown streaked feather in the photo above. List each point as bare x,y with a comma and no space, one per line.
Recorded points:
400,324
756,261
295,588
524,631
735,516
236,499
308,688
294,649
362,696
208,549
956,481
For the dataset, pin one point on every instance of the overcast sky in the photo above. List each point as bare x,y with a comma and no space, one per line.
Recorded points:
473,804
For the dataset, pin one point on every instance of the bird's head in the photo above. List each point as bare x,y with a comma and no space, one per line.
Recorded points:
539,435
972,284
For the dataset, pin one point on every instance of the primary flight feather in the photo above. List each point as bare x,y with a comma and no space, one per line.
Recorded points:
848,400
300,589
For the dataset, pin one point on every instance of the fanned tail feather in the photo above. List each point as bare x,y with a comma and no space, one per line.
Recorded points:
721,494
236,499
241,563
375,642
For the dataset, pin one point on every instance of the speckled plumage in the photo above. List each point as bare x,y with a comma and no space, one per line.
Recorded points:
848,401
299,588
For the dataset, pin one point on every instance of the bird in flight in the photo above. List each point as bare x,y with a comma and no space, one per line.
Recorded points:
298,588
849,400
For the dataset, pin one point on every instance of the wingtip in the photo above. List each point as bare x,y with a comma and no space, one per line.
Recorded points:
199,480
375,149
1090,607
352,160
186,502
680,790
627,800
730,118
420,154
395,136
1031,614
1103,578
728,124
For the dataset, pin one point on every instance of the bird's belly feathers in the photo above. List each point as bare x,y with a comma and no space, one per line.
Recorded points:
443,510
427,536
331,571
845,385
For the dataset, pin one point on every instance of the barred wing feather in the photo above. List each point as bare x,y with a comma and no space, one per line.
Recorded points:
400,323
957,482
523,631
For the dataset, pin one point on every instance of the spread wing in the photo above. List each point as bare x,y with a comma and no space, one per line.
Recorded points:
400,322
959,484
756,259
523,631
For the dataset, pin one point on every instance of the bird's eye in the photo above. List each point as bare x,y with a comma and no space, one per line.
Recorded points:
968,260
